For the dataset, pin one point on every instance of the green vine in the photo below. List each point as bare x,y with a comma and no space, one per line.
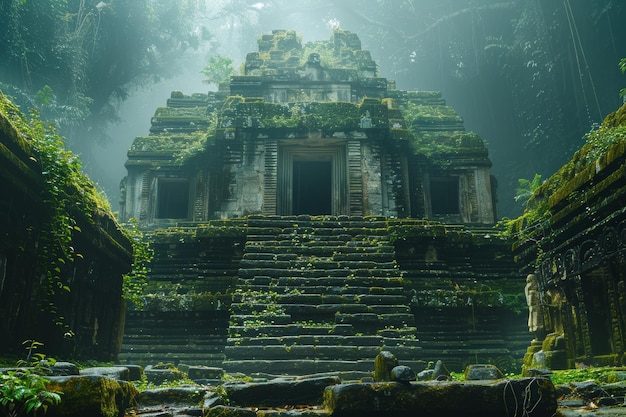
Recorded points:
136,280
68,193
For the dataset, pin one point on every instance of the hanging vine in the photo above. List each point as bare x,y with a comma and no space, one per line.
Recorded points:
69,198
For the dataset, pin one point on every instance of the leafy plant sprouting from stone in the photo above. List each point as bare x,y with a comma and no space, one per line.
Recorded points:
250,299
526,188
23,391
198,143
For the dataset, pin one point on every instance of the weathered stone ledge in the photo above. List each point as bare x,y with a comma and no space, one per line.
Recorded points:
499,398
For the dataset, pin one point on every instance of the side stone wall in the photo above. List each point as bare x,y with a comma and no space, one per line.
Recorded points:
85,321
184,318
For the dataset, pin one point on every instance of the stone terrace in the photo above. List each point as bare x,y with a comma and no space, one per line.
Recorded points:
302,294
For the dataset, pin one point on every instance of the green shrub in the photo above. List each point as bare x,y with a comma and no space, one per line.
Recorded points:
23,391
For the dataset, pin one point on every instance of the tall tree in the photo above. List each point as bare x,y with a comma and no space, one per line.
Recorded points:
75,60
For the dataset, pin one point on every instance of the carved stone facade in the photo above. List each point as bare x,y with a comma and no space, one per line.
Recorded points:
577,253
307,129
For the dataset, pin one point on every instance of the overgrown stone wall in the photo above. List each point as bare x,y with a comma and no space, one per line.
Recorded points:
72,301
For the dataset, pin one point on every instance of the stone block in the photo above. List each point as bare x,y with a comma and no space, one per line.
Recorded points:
205,372
64,369
227,411
482,372
159,376
114,372
90,395
384,362
278,393
484,399
135,372
191,395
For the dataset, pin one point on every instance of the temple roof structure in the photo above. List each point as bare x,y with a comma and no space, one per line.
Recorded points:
320,107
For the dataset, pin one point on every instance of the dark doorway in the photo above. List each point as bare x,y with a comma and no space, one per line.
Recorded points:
312,182
598,311
173,199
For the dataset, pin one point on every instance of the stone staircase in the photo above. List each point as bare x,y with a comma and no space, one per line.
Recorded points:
311,294
318,294
188,337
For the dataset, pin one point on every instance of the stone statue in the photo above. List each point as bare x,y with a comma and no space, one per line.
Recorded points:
535,313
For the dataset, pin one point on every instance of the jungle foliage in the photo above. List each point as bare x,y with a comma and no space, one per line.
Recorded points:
74,61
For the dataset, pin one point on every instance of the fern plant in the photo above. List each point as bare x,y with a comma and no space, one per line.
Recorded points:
526,188
23,393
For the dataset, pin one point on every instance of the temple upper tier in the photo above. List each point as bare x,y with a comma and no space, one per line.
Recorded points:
307,129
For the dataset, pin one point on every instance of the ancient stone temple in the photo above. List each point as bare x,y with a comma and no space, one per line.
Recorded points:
571,241
309,214
308,130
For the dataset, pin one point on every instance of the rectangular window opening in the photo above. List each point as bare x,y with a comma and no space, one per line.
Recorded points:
444,195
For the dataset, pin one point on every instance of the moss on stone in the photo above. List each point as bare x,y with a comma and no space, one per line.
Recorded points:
165,143
220,231
14,125
91,395
180,113
426,114
437,144
603,147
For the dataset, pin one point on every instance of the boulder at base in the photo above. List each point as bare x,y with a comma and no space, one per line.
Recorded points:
90,395
445,398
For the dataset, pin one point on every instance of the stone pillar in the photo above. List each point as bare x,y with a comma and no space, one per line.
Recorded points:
270,181
484,196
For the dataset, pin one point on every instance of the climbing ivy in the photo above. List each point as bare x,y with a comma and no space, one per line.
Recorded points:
59,171
136,280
